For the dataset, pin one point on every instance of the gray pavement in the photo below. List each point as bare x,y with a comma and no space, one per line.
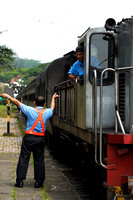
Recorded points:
56,186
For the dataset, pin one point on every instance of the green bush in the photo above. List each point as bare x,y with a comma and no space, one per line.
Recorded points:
3,102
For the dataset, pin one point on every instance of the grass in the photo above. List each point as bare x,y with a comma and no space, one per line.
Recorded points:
13,194
44,194
21,128
13,176
3,111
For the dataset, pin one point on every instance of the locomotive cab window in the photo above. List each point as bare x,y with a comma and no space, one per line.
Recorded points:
101,57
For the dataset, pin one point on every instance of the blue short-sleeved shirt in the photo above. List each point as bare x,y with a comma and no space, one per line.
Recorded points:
77,69
32,115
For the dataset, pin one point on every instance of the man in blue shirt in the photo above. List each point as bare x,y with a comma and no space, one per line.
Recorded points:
95,63
78,67
33,140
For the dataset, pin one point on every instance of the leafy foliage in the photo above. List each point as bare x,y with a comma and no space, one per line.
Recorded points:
28,73
6,58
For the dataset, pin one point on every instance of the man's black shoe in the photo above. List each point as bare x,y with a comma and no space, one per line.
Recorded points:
38,184
19,184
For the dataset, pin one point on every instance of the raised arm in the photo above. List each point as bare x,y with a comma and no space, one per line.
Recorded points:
53,100
13,100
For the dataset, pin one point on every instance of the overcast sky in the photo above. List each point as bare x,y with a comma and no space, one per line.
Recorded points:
45,30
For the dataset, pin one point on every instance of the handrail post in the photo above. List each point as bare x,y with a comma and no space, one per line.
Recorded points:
117,116
101,113
116,101
94,83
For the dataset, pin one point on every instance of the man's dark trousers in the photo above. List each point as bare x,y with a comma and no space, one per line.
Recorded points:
35,144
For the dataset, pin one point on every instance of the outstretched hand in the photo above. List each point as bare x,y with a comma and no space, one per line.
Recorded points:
53,100
4,95
55,95
13,100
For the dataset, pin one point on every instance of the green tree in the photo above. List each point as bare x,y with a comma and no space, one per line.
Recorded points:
6,58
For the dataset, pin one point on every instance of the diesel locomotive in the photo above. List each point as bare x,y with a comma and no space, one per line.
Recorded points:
95,113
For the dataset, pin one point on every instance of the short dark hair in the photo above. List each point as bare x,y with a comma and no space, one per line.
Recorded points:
80,49
40,101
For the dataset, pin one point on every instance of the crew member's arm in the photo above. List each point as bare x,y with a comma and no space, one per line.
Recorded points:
13,100
72,77
53,100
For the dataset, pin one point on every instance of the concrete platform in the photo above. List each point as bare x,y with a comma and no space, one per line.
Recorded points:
56,186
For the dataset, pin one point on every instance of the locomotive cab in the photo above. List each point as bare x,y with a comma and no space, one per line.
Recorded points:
76,104
99,55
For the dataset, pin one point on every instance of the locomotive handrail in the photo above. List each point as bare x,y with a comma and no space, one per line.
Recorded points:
67,81
118,118
120,195
116,108
94,84
124,68
101,114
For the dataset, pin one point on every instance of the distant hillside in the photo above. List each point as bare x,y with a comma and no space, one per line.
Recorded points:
28,68
25,63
